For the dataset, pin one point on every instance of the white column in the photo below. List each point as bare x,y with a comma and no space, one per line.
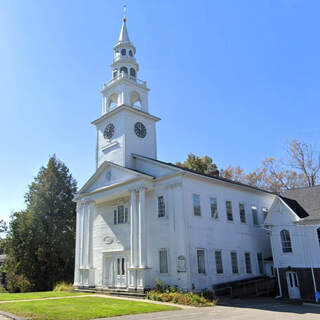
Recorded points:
81,235
142,229
88,231
77,248
134,233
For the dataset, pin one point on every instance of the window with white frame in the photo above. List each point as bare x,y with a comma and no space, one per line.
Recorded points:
214,208
201,261
254,212
318,233
121,267
218,258
196,205
265,213
229,210
285,241
260,263
234,262
120,214
161,207
248,262
163,260
242,212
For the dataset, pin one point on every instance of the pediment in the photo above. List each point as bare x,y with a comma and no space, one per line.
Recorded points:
109,174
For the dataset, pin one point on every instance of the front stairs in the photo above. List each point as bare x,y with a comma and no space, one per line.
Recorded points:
114,292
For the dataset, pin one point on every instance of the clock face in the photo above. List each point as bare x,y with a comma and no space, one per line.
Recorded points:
140,130
108,131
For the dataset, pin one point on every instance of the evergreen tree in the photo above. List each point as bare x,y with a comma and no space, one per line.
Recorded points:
41,239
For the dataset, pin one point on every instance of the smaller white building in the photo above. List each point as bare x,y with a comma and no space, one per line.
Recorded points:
294,222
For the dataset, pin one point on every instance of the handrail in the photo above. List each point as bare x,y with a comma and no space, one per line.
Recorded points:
127,76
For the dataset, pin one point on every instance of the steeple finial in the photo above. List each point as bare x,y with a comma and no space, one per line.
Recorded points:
124,13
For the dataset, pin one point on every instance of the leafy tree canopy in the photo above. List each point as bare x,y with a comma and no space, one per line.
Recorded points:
202,165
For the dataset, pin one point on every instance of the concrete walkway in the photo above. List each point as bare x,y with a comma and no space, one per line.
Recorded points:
246,309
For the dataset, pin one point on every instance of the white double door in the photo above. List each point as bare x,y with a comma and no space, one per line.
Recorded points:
293,285
116,271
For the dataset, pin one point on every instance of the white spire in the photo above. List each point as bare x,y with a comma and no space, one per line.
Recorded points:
124,37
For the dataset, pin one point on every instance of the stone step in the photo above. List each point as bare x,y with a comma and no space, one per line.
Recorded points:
115,292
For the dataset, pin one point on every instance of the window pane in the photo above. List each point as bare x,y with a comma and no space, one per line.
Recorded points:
234,262
120,214
254,215
214,208
229,210
115,216
242,213
123,268
126,215
118,266
219,266
318,231
196,205
163,261
285,241
260,263
201,262
161,207
248,262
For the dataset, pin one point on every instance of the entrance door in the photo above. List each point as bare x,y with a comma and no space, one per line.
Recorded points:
293,285
121,272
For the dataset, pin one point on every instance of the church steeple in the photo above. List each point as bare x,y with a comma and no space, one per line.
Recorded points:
125,127
125,87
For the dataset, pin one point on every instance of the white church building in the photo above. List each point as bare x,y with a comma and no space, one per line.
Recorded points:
140,219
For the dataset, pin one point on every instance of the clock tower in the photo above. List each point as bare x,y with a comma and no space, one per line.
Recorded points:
125,126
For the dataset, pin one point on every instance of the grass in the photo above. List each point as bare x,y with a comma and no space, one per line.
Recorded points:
37,295
80,308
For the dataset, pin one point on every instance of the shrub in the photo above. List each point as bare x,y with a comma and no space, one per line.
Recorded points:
18,283
175,295
63,286
2,289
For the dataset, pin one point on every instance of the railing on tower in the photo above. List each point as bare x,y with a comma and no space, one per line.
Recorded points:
127,76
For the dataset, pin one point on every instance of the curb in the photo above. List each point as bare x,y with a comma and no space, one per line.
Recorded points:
11,316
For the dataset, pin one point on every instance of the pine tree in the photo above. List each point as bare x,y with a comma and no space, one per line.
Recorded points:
41,239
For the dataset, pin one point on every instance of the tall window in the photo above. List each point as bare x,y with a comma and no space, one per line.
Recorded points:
265,213
260,262
229,210
254,215
123,52
219,265
163,259
214,208
196,205
201,261
161,207
234,262
242,212
121,267
285,241
248,262
318,233
120,215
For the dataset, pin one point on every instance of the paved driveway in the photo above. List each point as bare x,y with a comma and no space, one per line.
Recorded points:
236,309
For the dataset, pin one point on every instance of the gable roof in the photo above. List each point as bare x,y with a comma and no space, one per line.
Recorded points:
202,174
308,199
103,167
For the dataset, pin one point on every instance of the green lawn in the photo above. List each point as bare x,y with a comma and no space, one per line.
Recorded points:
80,308
37,295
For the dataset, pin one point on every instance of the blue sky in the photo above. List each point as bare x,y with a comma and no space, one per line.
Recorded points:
230,79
